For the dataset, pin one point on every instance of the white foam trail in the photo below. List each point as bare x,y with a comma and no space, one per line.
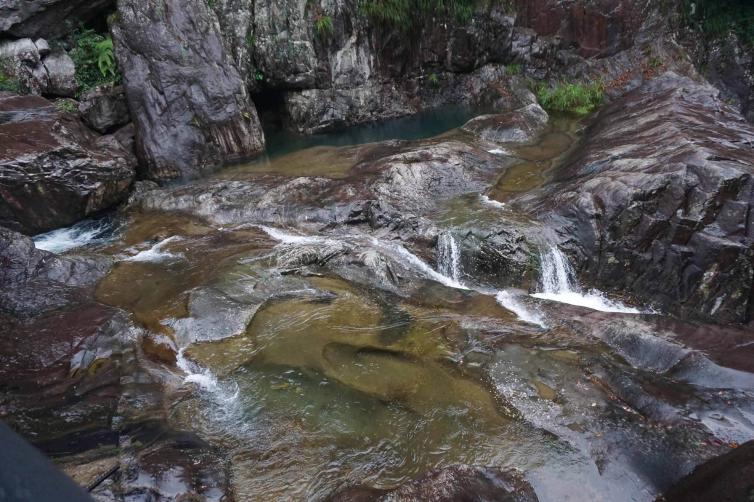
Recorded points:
507,300
497,151
399,252
205,380
289,238
76,236
448,256
491,202
559,285
156,253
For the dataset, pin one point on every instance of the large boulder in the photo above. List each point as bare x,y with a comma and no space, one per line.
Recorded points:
47,18
54,170
190,105
657,200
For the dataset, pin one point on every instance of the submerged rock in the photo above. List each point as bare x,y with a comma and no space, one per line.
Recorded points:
190,106
455,483
657,200
53,170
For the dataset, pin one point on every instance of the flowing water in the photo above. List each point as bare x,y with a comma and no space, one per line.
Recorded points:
312,371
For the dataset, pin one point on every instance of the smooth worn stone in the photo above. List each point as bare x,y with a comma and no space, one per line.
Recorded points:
190,106
53,170
656,201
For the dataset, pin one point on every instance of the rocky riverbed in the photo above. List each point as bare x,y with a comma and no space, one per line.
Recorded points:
483,300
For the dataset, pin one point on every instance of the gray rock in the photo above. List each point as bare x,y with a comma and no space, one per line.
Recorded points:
35,281
61,73
42,46
53,170
190,106
657,200
105,108
47,18
23,50
519,126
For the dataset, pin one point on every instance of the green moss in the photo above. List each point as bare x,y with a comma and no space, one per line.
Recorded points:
513,69
571,97
8,82
94,58
66,105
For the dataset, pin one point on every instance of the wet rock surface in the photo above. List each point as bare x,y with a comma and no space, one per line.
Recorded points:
53,170
657,200
190,106
461,483
726,478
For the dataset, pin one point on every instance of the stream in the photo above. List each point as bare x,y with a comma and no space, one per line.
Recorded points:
322,357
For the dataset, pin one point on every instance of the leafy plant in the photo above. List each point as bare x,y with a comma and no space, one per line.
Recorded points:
323,25
94,58
571,97
258,76
407,13
434,80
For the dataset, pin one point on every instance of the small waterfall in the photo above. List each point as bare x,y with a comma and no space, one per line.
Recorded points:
81,234
559,284
557,273
448,256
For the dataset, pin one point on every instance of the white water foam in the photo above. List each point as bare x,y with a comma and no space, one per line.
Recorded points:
156,253
448,256
290,238
79,235
498,151
400,253
206,380
559,285
509,301
491,202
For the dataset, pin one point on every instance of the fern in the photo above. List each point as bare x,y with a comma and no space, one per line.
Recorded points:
105,58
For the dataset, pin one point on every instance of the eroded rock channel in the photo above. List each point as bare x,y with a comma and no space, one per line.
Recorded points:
482,300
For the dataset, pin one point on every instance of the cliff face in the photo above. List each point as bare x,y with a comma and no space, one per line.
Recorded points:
331,64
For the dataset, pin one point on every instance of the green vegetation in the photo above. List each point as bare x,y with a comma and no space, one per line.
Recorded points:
716,19
8,82
571,98
407,13
434,80
513,69
66,105
323,25
95,62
